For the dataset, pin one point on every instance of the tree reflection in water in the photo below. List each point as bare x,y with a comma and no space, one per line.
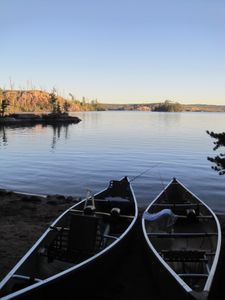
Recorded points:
3,136
57,131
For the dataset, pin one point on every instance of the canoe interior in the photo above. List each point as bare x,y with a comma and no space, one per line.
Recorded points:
85,230
188,245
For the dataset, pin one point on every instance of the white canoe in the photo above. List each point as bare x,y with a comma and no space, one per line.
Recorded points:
183,237
84,237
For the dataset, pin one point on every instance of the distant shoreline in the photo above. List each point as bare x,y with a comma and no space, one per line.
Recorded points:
153,106
37,101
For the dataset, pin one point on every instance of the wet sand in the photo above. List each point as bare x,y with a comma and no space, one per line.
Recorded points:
23,218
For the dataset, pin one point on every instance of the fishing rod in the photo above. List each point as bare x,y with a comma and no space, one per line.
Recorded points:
142,173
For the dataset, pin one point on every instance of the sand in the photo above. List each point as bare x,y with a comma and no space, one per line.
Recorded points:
23,219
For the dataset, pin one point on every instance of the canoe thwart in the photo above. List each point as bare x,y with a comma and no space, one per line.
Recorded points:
194,275
27,278
181,235
101,213
110,236
171,205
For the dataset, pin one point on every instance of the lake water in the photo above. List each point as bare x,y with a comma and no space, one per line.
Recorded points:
109,145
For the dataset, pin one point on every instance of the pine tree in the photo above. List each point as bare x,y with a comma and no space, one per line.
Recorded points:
53,101
5,103
66,106
58,108
219,160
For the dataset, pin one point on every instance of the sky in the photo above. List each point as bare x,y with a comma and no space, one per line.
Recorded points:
116,51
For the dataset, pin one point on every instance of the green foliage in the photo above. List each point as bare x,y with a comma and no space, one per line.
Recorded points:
53,102
169,106
4,104
66,106
58,108
96,105
219,160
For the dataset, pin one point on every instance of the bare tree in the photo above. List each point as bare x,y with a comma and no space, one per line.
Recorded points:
11,84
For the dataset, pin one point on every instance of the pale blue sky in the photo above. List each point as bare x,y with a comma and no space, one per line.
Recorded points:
116,51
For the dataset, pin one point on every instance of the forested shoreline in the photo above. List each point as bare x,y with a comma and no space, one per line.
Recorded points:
38,101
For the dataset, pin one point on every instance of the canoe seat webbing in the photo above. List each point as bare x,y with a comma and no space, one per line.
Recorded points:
81,240
83,232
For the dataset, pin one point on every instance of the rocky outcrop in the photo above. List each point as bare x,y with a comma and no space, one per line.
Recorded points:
35,101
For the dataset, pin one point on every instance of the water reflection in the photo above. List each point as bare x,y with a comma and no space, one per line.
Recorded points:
3,136
107,145
58,130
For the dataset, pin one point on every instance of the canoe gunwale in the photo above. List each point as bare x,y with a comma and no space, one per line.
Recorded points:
77,266
186,287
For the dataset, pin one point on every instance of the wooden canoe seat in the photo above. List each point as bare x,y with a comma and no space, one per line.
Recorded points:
200,217
193,275
181,235
184,255
182,205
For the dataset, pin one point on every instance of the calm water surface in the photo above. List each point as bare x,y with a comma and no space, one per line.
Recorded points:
109,145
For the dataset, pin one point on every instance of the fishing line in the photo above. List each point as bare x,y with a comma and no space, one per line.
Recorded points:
163,185
135,177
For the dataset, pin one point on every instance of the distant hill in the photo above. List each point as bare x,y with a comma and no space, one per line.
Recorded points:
205,107
38,101
152,107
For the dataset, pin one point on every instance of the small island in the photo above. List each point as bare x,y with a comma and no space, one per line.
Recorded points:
59,114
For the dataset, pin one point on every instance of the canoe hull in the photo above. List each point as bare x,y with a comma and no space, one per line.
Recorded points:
182,241
92,279
83,276
166,285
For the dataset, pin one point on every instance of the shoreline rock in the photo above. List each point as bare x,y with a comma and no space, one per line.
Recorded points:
33,119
